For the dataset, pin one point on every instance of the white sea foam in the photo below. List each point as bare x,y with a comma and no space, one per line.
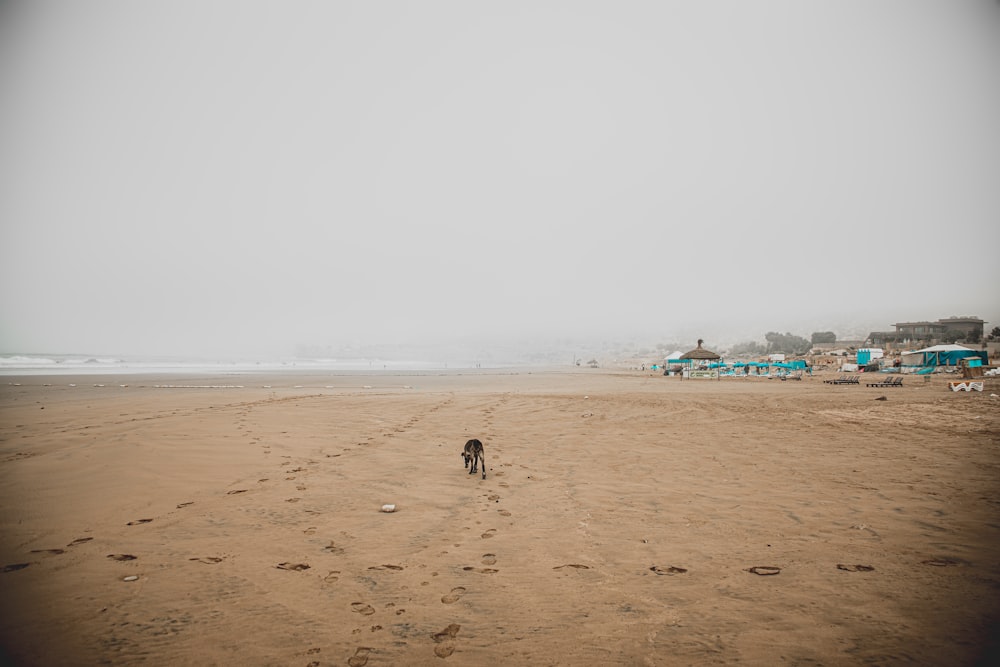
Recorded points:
56,363
76,364
24,361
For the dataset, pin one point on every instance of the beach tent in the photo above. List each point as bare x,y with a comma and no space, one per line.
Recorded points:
941,355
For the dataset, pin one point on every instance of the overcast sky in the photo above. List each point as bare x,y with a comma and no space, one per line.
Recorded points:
188,176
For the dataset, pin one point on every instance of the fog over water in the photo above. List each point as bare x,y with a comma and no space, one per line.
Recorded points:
252,178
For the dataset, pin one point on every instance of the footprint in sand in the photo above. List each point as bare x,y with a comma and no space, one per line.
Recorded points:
54,552
480,570
79,540
362,608
444,646
233,492
503,512
489,533
455,595
575,566
182,505
208,560
295,567
360,657
137,522
668,570
855,568
444,650
493,498
332,576
386,567
292,500
14,567
489,559
122,557
449,632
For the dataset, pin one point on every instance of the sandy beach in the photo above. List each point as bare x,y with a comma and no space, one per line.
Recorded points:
626,518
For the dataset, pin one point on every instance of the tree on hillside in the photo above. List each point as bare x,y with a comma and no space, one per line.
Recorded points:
950,336
750,348
820,337
995,334
786,343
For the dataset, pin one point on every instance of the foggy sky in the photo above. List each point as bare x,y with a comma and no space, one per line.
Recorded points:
183,177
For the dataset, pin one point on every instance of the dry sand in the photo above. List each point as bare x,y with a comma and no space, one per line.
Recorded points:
618,523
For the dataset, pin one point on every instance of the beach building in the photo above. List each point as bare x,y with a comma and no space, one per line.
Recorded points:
700,354
705,363
965,327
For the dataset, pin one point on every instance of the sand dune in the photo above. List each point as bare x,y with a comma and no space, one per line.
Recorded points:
626,518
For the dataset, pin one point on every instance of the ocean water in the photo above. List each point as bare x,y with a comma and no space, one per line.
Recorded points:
77,364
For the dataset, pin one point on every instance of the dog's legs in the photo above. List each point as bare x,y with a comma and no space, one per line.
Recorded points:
482,455
475,460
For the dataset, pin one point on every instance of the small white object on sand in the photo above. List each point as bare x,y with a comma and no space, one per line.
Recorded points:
131,578
388,508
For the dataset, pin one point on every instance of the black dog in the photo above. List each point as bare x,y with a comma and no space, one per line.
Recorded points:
474,452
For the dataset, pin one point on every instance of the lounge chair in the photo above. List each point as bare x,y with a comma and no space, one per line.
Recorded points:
888,382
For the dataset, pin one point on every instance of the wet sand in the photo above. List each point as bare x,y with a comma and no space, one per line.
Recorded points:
626,518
